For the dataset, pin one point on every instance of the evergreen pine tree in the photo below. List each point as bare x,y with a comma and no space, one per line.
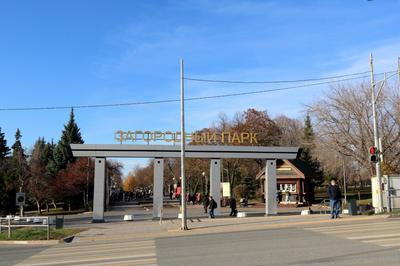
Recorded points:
17,146
6,201
308,140
71,132
307,148
48,152
250,184
51,165
19,165
4,149
70,135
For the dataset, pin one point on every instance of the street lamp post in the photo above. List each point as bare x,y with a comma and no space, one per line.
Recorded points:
205,183
183,143
379,207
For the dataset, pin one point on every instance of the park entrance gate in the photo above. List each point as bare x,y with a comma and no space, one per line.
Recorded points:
158,152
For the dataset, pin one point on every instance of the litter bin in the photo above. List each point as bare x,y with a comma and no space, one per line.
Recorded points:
352,206
59,222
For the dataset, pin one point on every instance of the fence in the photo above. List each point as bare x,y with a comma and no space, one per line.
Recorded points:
391,192
324,206
11,222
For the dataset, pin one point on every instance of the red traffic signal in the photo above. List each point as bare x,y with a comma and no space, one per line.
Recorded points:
374,156
373,150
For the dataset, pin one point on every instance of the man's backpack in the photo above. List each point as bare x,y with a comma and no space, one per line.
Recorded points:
215,205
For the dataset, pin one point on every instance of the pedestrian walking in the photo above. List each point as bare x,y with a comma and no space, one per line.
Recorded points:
232,205
198,198
206,202
335,197
212,206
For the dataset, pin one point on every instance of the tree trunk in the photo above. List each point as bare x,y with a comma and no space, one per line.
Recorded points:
54,204
39,211
84,201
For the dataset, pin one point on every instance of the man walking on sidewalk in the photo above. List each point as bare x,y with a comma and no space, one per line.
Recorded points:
335,197
206,202
213,205
232,205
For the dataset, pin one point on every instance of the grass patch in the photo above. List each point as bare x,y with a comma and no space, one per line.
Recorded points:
58,211
364,201
39,233
395,213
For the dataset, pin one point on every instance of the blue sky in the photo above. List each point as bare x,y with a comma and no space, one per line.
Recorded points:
92,52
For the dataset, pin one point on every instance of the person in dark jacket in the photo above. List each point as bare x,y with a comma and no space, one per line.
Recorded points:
335,197
232,205
206,202
212,206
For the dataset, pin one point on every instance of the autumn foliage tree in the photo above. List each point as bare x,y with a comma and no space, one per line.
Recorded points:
70,184
236,171
39,181
129,183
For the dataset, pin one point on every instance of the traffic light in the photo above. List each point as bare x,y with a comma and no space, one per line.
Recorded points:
374,154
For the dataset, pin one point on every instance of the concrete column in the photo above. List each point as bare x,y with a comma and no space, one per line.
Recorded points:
215,183
158,187
270,188
99,189
107,189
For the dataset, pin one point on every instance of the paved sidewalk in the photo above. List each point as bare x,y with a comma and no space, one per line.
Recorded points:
168,228
311,240
170,211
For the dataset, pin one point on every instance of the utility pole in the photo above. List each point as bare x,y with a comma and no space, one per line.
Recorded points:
344,181
183,143
379,207
398,72
398,69
87,184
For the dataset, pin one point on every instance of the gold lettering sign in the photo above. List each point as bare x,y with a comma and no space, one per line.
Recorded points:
196,137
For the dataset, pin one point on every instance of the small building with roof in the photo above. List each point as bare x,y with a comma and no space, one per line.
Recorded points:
294,182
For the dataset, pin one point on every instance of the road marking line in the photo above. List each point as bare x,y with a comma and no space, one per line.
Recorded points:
75,253
93,260
128,263
390,245
372,236
99,246
323,228
356,230
396,240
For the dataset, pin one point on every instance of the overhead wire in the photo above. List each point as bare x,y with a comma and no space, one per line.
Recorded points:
188,98
274,81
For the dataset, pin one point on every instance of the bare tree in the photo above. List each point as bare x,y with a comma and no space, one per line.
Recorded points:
344,128
291,131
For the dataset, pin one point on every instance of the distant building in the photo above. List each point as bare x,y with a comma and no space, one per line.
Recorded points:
294,185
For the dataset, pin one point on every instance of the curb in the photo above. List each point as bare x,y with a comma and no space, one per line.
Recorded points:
67,239
30,242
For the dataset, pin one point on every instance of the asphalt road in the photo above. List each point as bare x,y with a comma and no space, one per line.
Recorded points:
254,241
271,247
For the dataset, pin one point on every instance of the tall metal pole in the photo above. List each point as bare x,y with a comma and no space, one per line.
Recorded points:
398,69
183,143
379,207
87,184
344,181
398,72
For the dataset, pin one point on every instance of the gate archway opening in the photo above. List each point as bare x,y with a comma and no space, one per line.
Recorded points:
159,152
